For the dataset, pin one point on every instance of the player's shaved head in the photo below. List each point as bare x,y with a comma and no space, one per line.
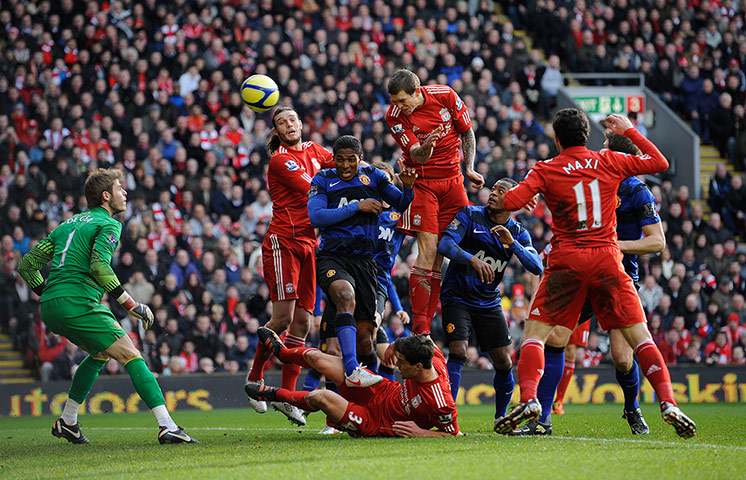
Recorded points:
571,128
416,349
508,182
403,81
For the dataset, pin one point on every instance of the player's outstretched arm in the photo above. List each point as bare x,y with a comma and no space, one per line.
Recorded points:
33,262
399,199
651,161
522,248
654,241
409,429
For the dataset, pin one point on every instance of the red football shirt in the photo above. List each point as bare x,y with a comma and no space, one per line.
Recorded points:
442,107
289,179
580,189
428,404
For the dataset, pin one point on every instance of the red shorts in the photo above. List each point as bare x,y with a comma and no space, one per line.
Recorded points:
572,274
435,204
290,270
579,336
364,415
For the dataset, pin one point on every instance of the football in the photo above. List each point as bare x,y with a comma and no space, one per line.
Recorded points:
259,93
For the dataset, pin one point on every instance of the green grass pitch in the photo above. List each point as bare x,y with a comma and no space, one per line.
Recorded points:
589,441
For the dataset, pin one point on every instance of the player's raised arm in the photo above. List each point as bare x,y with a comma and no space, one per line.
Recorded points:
421,152
31,264
399,199
521,248
102,273
469,147
523,193
651,161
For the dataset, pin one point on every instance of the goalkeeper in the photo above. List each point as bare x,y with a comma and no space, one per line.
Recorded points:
80,250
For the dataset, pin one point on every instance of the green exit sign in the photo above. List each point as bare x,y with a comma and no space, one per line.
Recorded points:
603,104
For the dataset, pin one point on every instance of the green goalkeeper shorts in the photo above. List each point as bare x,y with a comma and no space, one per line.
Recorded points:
86,323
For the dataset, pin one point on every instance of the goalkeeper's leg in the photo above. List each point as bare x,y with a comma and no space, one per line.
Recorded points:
147,387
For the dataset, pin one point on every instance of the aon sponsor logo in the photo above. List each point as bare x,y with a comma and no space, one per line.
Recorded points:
496,265
343,201
385,233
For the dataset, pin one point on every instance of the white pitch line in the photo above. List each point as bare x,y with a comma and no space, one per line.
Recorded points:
548,437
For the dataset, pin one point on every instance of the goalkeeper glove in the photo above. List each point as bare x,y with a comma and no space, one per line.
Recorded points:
137,310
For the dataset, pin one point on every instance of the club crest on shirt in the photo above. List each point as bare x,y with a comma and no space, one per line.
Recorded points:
394,216
416,401
113,240
364,179
450,328
331,273
397,129
417,220
289,288
618,201
445,115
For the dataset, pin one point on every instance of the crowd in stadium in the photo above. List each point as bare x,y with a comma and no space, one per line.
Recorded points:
152,88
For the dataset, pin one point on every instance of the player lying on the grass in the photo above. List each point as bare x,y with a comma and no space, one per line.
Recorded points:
80,250
580,188
636,215
387,409
345,202
480,242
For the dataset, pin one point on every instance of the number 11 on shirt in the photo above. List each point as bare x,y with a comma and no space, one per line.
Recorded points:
595,204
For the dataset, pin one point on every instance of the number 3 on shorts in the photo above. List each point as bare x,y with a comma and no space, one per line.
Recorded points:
355,418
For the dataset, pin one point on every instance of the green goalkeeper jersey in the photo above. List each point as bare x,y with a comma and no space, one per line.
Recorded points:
80,250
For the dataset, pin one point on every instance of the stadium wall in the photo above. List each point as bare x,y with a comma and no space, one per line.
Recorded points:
208,392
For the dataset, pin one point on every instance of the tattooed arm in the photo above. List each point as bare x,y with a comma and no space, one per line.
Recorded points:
469,147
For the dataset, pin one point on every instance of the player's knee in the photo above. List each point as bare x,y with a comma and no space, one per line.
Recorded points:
501,361
364,343
344,300
316,399
622,360
457,348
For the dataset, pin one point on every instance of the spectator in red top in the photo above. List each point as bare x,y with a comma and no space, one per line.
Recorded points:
191,361
718,352
670,347
733,329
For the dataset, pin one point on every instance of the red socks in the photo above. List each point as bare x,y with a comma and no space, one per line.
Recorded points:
295,398
291,372
654,368
257,369
295,356
434,295
565,382
530,368
420,290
